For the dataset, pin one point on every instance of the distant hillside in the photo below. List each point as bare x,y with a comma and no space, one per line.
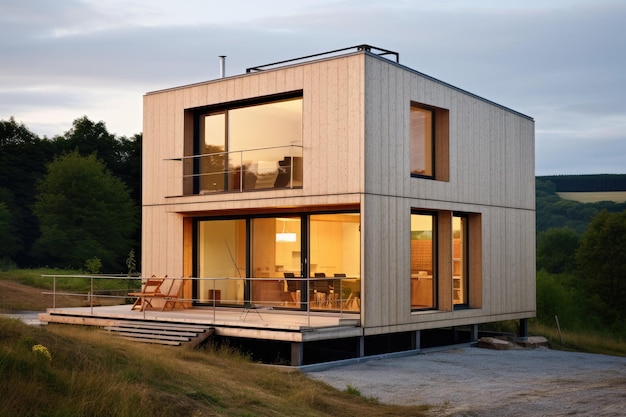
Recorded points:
587,183
555,211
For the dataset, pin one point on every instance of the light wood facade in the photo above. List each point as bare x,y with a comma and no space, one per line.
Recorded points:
355,155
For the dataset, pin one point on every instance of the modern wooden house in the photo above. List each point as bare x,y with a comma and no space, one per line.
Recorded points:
343,184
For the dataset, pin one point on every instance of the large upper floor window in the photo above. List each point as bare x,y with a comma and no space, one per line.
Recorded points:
246,146
429,142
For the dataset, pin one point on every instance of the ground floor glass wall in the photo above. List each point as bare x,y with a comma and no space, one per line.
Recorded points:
221,252
285,261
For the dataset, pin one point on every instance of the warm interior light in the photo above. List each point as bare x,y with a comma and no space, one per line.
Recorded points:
285,237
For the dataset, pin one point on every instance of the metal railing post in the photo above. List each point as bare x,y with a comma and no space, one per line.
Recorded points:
91,296
241,171
341,297
54,292
308,303
291,168
143,309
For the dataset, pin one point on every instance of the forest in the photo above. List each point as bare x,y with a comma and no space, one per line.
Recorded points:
70,198
73,201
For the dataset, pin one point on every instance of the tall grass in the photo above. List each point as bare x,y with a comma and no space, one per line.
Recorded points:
598,341
93,374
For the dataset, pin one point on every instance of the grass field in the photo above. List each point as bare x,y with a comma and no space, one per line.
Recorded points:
616,196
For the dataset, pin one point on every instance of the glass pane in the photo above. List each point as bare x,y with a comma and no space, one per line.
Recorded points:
421,141
423,283
335,251
263,134
459,260
221,254
213,141
275,246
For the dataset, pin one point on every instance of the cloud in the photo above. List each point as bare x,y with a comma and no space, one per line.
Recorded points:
557,61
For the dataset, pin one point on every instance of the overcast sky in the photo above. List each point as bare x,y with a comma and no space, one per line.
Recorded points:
562,62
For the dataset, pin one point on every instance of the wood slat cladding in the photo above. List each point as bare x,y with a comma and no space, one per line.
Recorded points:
484,168
356,150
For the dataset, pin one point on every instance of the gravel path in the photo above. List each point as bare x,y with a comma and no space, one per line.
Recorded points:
482,382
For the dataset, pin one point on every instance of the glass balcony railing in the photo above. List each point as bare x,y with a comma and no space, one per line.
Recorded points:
237,171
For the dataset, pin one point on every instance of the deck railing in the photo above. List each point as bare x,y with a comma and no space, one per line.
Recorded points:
328,295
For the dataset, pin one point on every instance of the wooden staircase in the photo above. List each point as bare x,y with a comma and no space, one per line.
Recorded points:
173,334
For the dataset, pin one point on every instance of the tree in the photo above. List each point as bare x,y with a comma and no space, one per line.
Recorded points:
10,243
84,212
556,250
87,138
23,159
602,262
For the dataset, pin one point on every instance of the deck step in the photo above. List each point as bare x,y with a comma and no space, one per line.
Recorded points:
160,325
160,342
173,334
152,331
155,337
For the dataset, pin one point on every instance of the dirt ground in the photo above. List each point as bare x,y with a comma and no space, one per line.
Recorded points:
17,297
481,382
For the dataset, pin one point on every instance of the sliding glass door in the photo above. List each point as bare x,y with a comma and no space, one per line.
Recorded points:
292,261
221,253
276,247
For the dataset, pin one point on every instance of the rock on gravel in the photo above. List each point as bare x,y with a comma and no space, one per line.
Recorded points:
482,382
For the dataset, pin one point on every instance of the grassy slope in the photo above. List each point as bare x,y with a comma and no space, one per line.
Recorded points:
92,373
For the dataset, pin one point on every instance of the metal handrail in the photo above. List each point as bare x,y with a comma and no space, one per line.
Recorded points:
180,158
202,302
367,48
242,169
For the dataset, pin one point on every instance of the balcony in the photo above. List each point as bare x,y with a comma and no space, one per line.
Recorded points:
245,170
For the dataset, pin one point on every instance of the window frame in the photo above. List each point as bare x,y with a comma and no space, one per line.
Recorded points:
465,261
305,249
435,260
431,111
193,135
440,142
443,260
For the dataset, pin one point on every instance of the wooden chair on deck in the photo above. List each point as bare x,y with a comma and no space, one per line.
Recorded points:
173,294
149,289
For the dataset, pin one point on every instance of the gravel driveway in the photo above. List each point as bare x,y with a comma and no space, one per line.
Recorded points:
481,382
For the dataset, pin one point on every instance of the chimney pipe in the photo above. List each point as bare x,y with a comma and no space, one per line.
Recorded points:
222,66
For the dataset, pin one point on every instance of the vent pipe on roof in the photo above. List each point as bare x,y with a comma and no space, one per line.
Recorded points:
222,66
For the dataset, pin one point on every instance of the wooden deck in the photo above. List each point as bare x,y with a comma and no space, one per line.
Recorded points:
281,325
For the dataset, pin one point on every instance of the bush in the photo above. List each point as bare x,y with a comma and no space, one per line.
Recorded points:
93,265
